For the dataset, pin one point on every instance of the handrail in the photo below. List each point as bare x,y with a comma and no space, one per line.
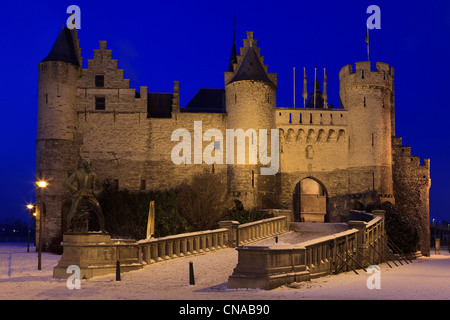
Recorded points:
174,246
355,248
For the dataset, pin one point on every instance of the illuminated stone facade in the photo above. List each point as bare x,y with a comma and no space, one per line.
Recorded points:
332,159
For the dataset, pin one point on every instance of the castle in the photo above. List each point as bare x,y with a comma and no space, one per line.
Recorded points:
331,159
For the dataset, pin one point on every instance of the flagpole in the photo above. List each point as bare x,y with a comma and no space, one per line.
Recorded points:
305,92
315,83
294,87
325,87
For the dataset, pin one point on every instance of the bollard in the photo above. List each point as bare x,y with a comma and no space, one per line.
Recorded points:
437,245
191,273
118,271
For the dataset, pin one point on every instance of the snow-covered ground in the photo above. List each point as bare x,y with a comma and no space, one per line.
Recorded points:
425,278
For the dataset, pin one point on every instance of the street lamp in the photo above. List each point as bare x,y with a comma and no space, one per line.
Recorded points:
30,208
41,184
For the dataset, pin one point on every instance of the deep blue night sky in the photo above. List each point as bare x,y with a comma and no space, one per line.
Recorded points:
157,42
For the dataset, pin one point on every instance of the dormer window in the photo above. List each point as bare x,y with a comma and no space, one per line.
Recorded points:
99,81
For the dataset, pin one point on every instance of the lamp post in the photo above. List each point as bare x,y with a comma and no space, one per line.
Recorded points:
41,184
30,207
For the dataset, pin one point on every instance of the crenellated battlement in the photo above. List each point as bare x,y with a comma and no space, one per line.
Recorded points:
302,116
350,152
361,74
402,155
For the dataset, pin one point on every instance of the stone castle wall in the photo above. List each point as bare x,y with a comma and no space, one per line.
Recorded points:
411,189
347,150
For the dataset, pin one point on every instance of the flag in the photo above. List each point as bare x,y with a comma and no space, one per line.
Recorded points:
367,42
367,35
305,92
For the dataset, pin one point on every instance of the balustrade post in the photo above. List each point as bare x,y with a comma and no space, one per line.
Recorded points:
154,252
189,246
381,247
195,244
233,234
362,244
183,248
208,244
146,253
176,248
201,244
169,250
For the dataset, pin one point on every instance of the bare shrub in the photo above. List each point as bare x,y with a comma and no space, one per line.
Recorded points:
204,201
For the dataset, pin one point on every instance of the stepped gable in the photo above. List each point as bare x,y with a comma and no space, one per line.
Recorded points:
251,69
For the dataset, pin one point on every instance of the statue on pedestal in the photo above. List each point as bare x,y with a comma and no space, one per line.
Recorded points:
85,186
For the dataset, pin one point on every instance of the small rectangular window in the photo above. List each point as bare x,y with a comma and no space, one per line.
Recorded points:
100,103
253,178
143,185
99,81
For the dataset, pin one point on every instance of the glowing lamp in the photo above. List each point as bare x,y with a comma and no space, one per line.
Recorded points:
42,184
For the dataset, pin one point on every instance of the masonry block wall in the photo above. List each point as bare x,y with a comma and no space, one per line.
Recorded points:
412,185
348,151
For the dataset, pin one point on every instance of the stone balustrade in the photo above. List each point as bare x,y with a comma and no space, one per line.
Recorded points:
254,231
182,245
267,267
229,234
97,253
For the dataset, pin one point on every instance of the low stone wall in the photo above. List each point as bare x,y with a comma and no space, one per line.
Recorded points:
229,235
182,245
97,254
267,267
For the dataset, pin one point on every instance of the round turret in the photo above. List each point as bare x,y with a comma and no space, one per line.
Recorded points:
250,106
368,96
56,145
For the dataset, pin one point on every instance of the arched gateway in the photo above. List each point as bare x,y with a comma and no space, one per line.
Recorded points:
310,201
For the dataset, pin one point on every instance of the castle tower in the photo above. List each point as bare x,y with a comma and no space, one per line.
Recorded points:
56,144
369,97
250,104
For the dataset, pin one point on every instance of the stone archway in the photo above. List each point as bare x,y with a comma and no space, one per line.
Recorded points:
309,201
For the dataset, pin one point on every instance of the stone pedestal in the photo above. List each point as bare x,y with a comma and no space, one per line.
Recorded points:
96,254
268,267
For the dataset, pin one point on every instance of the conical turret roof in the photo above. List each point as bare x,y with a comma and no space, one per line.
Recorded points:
63,49
251,68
